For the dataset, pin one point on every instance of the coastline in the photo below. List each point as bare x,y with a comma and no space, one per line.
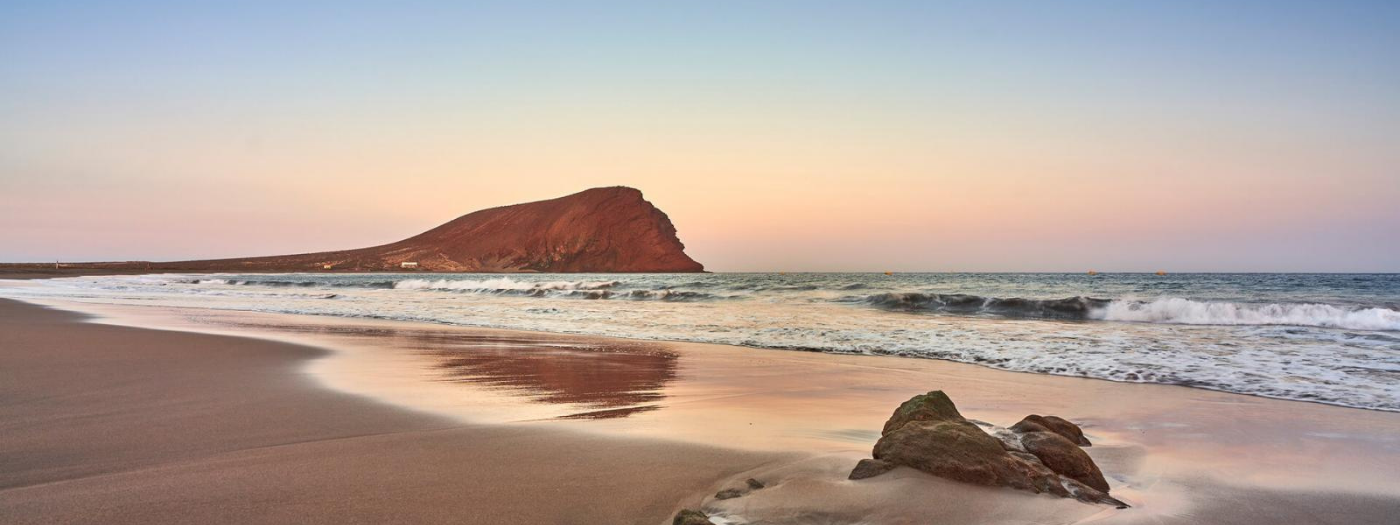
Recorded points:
108,424
1329,345
1177,454
29,271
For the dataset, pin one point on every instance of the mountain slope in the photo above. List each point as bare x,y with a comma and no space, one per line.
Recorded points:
598,230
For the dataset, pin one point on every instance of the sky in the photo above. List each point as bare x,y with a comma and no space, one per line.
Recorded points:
778,135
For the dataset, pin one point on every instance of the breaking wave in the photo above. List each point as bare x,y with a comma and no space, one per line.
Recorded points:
1324,338
570,289
1069,308
1167,310
1162,310
1185,311
499,285
282,283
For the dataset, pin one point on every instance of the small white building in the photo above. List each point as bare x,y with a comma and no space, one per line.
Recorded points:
409,265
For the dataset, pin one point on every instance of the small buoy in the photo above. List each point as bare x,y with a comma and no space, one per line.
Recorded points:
1092,272
1160,272
889,273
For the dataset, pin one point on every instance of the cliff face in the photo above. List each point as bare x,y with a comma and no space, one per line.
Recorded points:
599,230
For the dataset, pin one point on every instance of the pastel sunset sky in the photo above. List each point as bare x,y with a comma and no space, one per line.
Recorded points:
799,136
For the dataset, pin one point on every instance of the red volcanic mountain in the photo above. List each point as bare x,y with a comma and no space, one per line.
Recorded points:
598,230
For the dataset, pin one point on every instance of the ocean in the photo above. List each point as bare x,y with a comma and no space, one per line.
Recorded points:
1327,338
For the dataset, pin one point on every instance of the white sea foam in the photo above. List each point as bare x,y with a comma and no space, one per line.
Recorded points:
1174,310
1329,339
501,284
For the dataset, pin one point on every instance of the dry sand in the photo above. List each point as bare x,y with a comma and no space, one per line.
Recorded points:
121,424
107,424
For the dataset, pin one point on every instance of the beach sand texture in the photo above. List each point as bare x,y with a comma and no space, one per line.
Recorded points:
414,423
106,424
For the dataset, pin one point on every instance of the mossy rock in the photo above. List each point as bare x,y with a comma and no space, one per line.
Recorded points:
691,517
956,450
1065,458
1058,425
933,406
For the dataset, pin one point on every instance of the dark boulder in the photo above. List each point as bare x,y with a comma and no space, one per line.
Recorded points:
955,450
750,485
1039,454
1065,458
933,406
729,494
691,517
869,468
1043,480
1070,431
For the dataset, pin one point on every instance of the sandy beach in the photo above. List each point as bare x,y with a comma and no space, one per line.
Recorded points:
282,419
680,263
106,424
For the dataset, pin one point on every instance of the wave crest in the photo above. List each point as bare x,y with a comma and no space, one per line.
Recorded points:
1166,310
504,284
1068,308
1174,310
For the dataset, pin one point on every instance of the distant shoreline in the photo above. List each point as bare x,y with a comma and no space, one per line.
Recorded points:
47,270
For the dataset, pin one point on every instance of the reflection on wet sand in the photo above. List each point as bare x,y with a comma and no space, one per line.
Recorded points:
604,380
607,378
1169,451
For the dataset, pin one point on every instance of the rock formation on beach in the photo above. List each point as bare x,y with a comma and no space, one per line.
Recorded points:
750,485
598,230
1070,431
1040,454
690,517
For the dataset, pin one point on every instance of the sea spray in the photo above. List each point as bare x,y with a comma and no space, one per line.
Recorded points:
1175,310
499,284
1324,338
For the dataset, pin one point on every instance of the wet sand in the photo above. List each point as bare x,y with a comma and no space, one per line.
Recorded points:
441,411
108,424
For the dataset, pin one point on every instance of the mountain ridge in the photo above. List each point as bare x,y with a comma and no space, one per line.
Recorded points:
599,230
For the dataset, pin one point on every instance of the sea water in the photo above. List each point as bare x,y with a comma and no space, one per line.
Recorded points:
1329,338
